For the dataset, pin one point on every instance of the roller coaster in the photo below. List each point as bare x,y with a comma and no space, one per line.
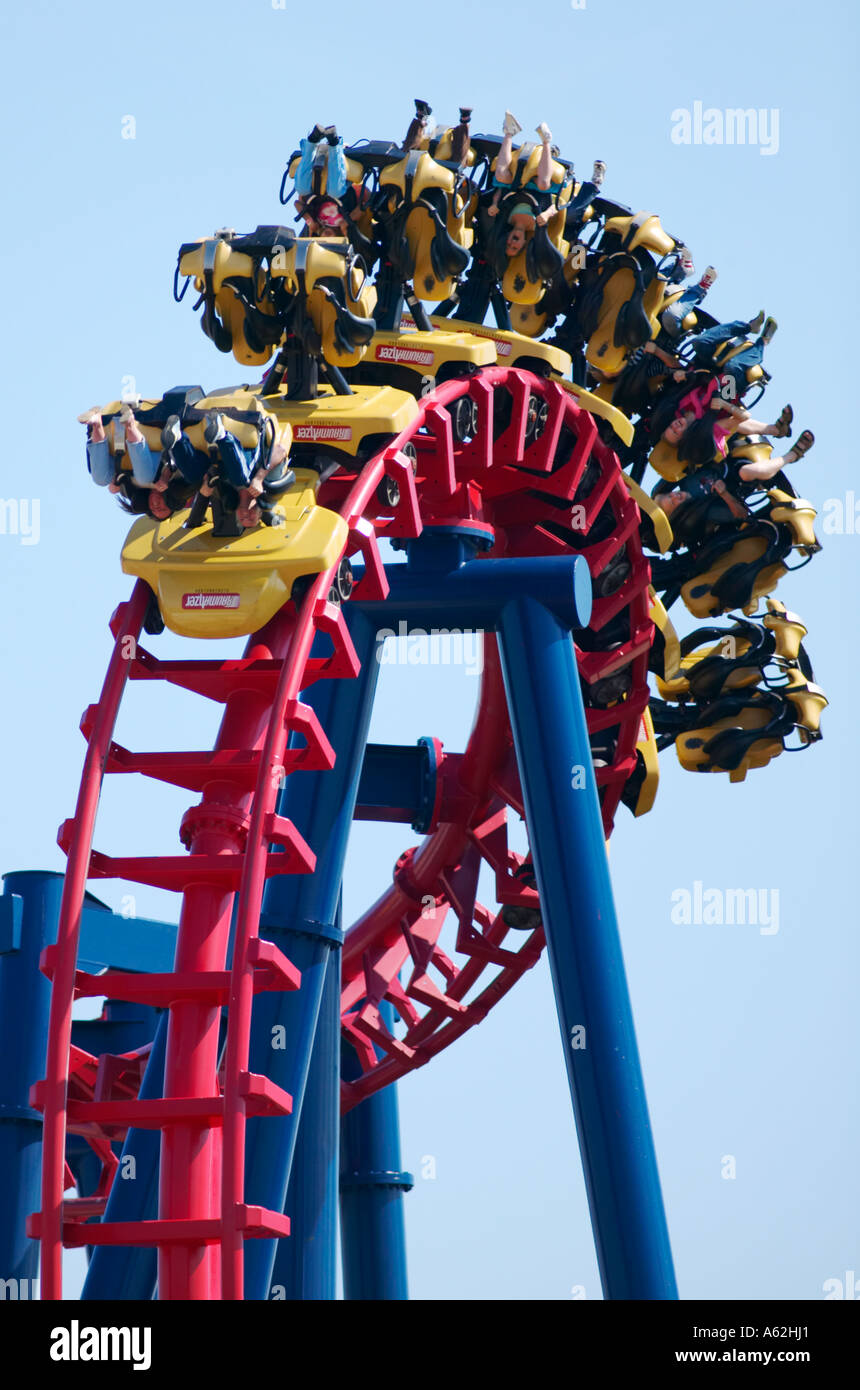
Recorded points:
243,1067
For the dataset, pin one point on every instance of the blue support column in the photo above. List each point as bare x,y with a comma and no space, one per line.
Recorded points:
123,1027
442,585
29,912
306,1263
569,853
130,1272
373,1236
300,915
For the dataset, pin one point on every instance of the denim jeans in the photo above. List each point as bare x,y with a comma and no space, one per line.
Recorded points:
100,462
720,333
336,179
751,356
145,463
238,463
102,465
192,464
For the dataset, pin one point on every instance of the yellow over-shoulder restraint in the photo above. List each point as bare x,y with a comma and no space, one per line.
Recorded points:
337,295
210,263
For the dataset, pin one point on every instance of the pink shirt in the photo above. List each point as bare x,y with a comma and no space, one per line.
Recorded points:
698,400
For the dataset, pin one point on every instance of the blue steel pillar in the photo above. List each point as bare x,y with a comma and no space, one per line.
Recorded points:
29,912
124,1272
300,915
123,1027
569,853
373,1238
306,1263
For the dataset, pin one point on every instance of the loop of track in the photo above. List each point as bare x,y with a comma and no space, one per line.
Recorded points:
527,486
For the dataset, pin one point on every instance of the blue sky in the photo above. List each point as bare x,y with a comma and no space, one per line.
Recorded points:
748,1041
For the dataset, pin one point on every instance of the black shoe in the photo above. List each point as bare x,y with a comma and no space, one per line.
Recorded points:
465,115
521,918
331,134
318,133
422,108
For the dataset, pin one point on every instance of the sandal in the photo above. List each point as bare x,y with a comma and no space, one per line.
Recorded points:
782,428
801,447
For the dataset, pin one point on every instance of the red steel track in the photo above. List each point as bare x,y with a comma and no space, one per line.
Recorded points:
526,484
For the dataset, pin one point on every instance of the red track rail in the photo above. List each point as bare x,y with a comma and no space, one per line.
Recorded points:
524,484
398,930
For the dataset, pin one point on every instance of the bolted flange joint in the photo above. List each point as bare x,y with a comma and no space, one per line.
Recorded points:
217,816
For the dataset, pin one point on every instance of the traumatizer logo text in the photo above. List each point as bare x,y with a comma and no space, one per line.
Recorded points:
210,600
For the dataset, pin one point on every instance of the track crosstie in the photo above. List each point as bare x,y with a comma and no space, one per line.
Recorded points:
535,474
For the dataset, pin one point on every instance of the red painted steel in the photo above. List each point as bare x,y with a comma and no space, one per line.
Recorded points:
127,623
516,485
398,931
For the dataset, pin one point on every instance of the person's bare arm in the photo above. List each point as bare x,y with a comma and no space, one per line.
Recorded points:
667,358
261,472
729,409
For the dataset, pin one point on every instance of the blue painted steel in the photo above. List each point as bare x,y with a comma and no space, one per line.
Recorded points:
84,1163
373,1237
300,914
130,1272
284,1027
306,1263
473,593
25,998
422,819
29,912
398,784
124,942
586,962
445,547
11,923
123,1028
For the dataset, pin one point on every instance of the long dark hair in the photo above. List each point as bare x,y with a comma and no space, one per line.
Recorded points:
135,499
131,498
666,408
698,444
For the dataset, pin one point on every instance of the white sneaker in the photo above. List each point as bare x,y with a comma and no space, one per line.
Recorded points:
511,125
90,417
598,173
708,278
171,433
544,132
214,429
686,261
